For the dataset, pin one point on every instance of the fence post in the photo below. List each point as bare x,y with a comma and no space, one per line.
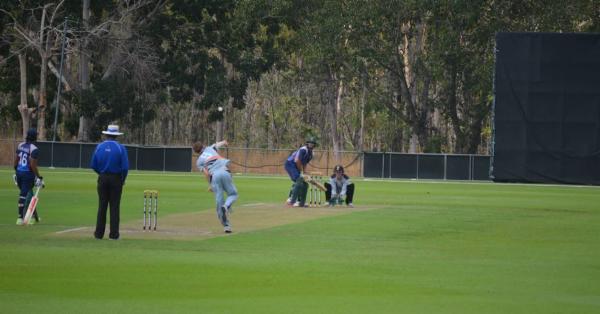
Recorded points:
52,155
362,163
382,165
327,162
445,165
246,160
390,165
164,158
470,167
417,167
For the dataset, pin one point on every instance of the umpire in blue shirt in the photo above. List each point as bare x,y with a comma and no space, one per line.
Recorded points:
111,164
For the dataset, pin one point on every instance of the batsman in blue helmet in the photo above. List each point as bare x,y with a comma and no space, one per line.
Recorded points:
26,172
295,165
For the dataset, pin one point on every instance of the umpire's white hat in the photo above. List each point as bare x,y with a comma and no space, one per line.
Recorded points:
112,129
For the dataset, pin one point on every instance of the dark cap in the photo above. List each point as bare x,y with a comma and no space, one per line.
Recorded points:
338,168
31,134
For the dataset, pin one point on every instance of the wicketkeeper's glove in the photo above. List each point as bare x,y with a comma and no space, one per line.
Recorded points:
335,199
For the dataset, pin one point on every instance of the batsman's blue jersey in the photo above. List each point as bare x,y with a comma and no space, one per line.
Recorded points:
211,161
24,151
303,154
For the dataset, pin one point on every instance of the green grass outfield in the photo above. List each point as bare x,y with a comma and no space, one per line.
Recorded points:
423,247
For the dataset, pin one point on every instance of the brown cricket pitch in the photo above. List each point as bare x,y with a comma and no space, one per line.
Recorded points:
204,224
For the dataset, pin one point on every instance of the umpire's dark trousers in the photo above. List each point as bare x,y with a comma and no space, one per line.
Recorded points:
110,187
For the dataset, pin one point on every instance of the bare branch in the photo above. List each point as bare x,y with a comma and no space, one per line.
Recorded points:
55,11
13,54
63,78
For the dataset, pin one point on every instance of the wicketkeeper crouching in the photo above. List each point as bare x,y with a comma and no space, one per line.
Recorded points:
339,188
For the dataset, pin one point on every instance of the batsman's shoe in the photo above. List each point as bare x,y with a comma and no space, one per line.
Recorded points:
19,221
227,229
288,202
350,205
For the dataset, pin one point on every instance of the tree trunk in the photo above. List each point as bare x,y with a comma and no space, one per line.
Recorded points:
219,130
364,82
23,108
333,115
414,89
476,126
84,74
474,137
41,110
44,55
452,109
82,132
274,129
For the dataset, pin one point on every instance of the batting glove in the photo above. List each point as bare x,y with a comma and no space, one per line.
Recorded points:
39,181
15,179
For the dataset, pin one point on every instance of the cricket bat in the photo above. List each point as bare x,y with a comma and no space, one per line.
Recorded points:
314,182
318,185
32,206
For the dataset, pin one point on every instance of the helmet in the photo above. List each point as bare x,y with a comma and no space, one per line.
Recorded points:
312,140
31,135
338,168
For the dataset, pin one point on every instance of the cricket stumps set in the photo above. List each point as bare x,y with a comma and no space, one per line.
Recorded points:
315,189
150,209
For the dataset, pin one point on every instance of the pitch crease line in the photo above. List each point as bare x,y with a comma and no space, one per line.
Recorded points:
254,204
71,230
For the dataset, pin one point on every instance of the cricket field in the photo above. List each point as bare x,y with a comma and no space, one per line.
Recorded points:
406,247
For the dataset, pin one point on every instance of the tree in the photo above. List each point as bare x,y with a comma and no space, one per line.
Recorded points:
393,37
34,27
210,51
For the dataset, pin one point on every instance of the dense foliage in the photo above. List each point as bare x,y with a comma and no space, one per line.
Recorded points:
400,75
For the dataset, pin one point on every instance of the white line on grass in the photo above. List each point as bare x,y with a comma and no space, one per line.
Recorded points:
71,230
255,204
